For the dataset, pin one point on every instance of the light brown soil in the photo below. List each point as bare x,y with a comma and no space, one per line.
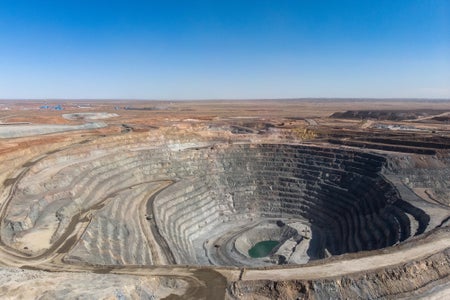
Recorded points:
295,121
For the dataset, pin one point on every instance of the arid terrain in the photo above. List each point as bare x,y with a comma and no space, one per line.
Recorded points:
262,199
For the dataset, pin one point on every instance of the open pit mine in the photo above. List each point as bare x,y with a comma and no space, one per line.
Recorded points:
213,200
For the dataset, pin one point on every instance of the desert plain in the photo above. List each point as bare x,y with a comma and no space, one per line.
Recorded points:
225,199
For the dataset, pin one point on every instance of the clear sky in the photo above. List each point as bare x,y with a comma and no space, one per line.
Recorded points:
224,49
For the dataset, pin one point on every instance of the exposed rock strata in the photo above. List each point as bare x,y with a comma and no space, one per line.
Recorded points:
216,191
402,281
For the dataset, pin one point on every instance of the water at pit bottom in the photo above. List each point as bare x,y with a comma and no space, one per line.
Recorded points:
262,249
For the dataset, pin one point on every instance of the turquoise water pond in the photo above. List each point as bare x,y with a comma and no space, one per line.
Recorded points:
262,249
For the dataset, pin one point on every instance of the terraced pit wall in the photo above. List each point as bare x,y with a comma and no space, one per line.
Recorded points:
206,190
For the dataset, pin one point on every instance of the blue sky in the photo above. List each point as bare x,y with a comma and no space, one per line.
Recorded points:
224,49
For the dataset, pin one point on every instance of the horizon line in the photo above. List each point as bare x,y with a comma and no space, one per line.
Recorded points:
229,99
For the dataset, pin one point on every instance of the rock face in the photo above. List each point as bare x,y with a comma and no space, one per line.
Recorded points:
63,285
424,279
207,205
340,194
220,202
425,175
